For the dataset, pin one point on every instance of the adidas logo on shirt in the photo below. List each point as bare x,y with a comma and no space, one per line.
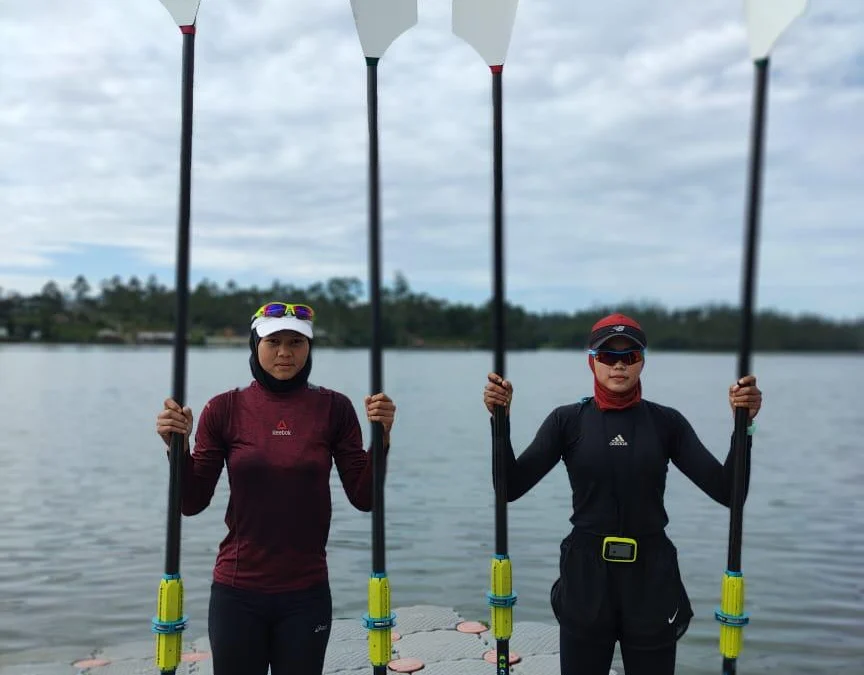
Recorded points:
618,440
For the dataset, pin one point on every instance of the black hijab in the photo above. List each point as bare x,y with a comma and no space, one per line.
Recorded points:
271,383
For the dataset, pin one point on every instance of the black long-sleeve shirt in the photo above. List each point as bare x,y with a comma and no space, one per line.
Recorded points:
620,452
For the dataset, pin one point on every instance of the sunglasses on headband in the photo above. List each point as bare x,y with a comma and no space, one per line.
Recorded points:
279,309
609,357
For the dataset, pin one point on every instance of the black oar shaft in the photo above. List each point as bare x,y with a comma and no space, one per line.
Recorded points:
748,286
499,466
172,551
498,216
499,437
376,367
754,209
502,649
754,200
378,557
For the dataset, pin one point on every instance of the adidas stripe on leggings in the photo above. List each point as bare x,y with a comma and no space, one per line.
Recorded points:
251,631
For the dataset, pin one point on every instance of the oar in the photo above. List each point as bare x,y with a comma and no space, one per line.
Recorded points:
486,25
766,20
379,23
169,622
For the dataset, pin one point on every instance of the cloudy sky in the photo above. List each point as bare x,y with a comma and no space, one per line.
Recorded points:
626,136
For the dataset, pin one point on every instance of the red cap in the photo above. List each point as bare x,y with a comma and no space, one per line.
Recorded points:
616,324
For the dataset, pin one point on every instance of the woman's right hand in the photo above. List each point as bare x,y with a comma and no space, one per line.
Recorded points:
174,419
498,391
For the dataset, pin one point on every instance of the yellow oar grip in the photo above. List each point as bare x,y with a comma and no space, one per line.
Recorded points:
379,621
501,598
169,623
731,615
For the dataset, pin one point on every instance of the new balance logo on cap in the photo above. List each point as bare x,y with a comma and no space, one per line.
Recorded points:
618,440
281,429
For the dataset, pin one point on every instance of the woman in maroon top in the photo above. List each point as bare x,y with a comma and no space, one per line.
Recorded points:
270,603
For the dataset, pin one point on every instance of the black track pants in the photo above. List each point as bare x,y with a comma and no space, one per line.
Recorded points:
595,657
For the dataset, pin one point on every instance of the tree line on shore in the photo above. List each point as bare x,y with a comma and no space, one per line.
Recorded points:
121,310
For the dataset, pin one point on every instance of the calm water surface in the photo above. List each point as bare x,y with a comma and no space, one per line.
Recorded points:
83,490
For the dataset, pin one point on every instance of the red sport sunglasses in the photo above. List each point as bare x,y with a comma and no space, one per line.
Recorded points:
609,357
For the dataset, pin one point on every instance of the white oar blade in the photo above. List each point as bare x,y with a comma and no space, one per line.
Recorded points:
380,22
766,20
182,11
486,25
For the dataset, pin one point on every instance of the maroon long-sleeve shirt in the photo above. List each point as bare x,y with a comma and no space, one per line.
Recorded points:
279,450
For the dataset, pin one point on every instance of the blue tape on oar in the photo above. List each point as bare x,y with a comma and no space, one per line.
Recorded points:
734,620
379,623
501,600
169,627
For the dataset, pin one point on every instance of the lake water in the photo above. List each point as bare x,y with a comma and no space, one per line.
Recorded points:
83,491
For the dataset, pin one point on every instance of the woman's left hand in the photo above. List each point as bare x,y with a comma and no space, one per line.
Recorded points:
745,394
380,408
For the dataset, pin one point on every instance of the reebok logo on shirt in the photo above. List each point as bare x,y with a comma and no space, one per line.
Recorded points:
618,440
281,429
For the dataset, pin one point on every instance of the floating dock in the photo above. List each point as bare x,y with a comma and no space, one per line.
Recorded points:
427,639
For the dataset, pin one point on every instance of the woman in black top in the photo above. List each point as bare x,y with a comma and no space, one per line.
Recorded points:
619,578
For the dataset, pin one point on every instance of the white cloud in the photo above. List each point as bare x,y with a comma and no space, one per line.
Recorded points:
626,141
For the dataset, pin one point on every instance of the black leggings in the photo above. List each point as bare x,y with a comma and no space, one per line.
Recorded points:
251,631
595,658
